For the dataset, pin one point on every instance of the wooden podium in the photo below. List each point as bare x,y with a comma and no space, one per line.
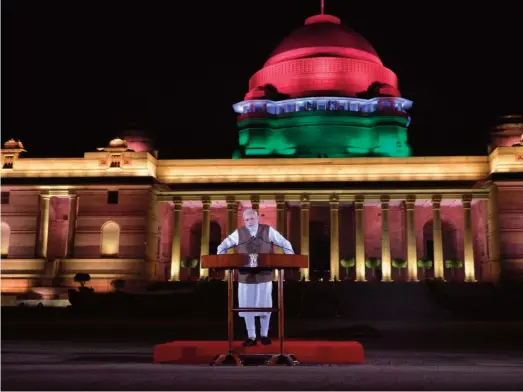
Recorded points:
254,262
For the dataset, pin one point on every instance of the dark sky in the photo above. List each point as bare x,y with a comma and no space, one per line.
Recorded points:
75,73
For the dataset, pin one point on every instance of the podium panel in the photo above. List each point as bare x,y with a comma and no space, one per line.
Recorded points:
254,260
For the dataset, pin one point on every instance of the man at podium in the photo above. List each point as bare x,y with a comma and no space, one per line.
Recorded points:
255,288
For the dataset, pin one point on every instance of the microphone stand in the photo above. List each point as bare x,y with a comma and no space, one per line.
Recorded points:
234,246
279,246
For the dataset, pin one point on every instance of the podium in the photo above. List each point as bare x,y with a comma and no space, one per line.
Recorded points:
254,262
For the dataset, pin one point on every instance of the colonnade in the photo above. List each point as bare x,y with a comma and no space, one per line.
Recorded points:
409,203
304,200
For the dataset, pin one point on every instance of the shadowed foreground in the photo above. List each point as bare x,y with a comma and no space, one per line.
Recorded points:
416,337
77,366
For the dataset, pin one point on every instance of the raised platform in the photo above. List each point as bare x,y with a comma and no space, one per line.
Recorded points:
306,352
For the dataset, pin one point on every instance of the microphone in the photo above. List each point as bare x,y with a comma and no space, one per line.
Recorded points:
241,243
273,243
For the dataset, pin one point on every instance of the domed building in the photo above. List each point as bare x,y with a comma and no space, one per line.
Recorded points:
323,157
323,92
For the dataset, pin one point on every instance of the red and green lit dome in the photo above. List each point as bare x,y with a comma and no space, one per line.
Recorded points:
323,92
323,57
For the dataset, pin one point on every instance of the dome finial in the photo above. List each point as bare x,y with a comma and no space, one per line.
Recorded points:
322,6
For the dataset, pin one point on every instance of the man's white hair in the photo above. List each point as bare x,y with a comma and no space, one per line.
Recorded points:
250,211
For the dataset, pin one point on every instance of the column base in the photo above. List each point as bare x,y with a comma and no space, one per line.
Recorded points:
304,275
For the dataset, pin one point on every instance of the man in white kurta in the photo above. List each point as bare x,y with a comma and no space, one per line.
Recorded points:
255,289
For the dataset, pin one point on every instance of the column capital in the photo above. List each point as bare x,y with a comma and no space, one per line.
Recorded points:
334,200
466,200
304,199
255,202
410,202
178,202
436,201
280,200
206,202
358,202
72,194
410,199
231,201
385,200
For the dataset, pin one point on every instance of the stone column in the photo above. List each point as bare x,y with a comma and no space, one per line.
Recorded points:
280,224
304,230
492,270
206,228
71,230
176,250
151,249
335,237
360,238
468,246
280,214
232,219
43,232
412,254
386,267
232,222
437,238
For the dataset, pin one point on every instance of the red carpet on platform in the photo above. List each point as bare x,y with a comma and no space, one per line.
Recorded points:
306,352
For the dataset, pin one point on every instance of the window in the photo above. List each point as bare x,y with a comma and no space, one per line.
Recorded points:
308,106
8,162
116,160
5,197
112,197
6,233
110,243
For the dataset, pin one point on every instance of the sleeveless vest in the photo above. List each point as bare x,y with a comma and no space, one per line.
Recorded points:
259,245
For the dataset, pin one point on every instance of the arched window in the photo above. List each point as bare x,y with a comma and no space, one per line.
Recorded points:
6,233
110,243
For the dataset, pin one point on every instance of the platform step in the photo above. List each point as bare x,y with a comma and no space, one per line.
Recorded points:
306,352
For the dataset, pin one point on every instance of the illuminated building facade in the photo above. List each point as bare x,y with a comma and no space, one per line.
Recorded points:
323,155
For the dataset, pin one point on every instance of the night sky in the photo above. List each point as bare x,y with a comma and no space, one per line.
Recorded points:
76,73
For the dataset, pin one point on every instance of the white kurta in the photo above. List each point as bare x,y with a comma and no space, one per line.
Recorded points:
274,237
255,295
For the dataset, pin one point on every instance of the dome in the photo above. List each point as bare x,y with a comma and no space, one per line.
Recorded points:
12,144
323,35
117,142
322,58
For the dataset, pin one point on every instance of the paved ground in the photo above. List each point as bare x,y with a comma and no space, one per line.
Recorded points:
76,351
62,365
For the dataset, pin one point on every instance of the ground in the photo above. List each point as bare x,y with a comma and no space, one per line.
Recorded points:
415,338
29,365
